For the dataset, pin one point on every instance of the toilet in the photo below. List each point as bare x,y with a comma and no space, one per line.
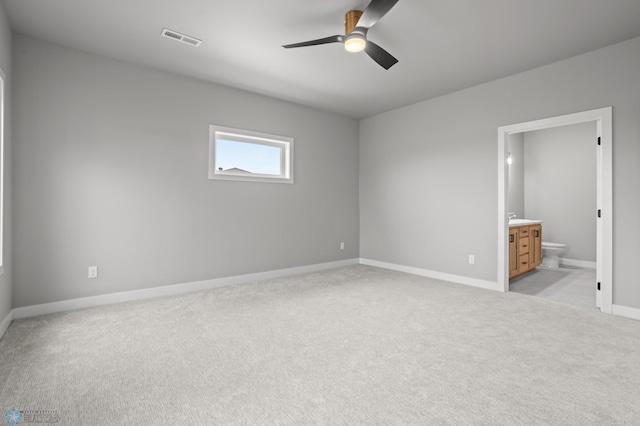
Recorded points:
551,253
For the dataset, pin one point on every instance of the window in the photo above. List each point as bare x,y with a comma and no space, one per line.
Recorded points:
2,112
250,156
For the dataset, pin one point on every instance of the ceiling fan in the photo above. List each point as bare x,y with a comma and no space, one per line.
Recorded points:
357,24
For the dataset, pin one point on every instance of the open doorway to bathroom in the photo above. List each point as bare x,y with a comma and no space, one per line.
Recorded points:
552,179
577,264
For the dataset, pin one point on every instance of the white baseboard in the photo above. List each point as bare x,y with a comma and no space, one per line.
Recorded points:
127,296
86,302
6,322
489,285
625,311
578,263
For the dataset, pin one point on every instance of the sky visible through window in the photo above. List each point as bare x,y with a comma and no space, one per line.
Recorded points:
250,157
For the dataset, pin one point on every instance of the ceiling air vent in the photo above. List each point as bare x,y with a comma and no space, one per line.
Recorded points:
180,37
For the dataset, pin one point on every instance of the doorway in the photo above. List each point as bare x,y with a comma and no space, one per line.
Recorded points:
604,188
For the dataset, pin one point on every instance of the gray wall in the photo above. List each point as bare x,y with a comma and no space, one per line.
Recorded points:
515,202
560,186
111,170
428,172
5,64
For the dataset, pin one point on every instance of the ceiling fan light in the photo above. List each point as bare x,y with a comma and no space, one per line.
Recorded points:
355,43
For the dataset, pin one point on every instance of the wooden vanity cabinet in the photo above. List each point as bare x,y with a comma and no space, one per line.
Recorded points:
513,251
525,249
535,251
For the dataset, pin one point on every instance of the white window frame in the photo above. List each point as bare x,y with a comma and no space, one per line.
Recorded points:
228,133
2,131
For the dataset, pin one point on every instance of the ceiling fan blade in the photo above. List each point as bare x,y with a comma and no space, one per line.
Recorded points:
374,12
381,56
326,40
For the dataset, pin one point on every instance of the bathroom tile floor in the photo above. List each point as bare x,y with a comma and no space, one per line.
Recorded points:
576,286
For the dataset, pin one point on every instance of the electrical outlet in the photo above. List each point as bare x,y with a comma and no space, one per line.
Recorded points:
472,259
93,272
341,246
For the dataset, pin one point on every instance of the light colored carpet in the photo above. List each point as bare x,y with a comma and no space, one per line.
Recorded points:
356,345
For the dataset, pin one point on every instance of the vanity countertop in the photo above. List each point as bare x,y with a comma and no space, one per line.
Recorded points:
521,222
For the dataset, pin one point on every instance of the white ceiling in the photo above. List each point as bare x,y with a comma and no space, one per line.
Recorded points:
442,45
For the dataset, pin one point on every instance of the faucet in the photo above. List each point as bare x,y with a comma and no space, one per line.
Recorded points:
512,215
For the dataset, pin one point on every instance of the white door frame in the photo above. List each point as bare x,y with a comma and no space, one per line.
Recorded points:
604,231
